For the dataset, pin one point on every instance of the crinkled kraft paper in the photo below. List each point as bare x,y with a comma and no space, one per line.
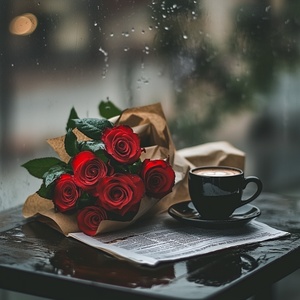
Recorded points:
150,124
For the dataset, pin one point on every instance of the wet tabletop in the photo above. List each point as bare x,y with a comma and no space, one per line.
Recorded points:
37,260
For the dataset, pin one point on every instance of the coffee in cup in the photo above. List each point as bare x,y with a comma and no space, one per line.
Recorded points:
216,191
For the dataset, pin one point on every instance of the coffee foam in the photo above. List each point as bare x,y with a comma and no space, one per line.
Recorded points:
212,172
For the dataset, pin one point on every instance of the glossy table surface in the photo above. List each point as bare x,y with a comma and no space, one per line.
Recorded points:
37,260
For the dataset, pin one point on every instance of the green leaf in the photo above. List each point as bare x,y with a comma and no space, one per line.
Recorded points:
71,144
85,200
54,173
46,192
132,168
39,166
92,127
102,155
70,123
118,168
93,145
135,167
108,110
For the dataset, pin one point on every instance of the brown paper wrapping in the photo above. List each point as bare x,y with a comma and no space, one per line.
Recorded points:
213,154
150,123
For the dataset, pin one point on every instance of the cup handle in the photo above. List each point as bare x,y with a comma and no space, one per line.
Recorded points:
259,185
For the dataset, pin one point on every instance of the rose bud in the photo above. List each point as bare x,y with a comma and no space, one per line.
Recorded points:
88,168
120,193
158,176
66,193
89,218
122,144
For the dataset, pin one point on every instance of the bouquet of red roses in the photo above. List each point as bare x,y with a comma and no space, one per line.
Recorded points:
102,176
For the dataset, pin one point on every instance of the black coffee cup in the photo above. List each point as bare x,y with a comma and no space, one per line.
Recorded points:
216,191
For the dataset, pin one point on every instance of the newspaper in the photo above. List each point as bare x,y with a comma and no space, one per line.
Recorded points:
163,239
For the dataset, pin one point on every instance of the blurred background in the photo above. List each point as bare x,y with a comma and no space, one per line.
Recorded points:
223,70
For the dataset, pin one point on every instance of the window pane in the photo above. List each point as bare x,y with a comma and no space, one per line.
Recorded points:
223,70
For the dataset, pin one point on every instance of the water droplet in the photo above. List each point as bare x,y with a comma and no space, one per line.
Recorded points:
143,31
103,51
150,27
18,234
146,50
268,8
132,29
185,37
166,28
126,49
12,65
95,24
111,34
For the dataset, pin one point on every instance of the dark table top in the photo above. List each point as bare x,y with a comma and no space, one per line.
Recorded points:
37,260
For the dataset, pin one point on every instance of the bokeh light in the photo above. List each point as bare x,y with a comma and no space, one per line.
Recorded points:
24,24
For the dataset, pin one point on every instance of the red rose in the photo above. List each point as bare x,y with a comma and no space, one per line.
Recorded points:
158,176
89,218
66,193
122,144
120,193
88,168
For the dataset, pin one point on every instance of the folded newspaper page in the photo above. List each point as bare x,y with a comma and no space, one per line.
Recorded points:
163,239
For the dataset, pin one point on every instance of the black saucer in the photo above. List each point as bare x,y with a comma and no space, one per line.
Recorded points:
186,212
